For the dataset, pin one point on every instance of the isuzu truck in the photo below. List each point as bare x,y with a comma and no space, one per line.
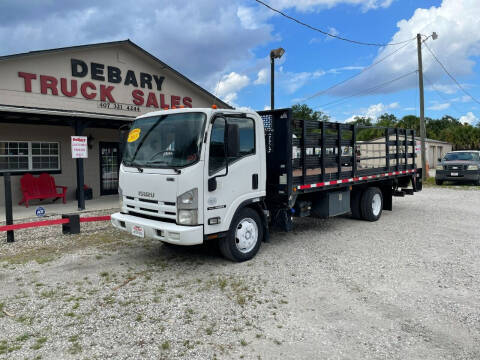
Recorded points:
204,174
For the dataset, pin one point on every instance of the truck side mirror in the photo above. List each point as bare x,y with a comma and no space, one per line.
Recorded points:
124,130
233,140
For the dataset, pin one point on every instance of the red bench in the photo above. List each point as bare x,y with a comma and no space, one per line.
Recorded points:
42,187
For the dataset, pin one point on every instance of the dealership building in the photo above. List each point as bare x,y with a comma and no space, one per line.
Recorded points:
96,90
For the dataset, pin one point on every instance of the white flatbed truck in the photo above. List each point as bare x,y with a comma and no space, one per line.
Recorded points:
194,175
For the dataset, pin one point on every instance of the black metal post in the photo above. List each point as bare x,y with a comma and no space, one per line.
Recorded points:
339,148
8,206
354,151
324,153
387,149
80,171
272,82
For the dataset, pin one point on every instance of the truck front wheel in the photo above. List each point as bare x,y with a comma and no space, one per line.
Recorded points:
244,238
371,204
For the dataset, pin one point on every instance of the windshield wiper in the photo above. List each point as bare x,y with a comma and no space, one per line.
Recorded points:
160,162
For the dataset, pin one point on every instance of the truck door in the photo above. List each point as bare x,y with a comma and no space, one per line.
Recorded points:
236,183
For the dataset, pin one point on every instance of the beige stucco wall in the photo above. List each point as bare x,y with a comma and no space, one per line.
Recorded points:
62,134
58,64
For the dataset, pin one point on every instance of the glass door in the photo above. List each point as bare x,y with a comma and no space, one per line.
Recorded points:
109,167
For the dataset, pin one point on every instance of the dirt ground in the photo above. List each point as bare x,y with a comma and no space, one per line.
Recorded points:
405,287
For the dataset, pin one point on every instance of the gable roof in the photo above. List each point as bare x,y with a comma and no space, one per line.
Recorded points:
129,43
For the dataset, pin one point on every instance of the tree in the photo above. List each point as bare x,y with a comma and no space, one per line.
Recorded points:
304,112
387,120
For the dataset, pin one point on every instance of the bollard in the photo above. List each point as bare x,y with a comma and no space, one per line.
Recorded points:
72,227
8,206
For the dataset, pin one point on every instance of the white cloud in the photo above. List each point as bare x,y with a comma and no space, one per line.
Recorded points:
333,31
374,111
469,118
311,5
456,22
262,77
183,34
229,85
439,106
462,99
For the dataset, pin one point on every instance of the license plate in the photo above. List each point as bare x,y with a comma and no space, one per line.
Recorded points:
454,174
138,231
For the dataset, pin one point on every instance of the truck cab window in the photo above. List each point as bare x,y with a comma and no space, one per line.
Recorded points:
246,130
217,146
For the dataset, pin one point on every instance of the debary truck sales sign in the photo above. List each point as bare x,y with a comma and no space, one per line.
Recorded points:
141,83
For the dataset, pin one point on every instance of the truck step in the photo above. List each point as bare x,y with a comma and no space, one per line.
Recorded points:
408,191
399,193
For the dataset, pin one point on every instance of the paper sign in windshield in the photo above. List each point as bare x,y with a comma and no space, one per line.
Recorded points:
133,135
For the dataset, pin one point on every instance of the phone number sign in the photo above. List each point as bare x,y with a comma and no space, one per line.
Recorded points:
79,147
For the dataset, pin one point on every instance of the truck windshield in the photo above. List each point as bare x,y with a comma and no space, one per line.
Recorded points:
466,156
171,140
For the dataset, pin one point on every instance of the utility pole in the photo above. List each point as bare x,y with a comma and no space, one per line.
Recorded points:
422,105
274,54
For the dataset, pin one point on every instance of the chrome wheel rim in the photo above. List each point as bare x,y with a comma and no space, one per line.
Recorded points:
376,204
246,235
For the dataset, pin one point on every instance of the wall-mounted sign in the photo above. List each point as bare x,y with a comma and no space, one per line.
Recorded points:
147,89
79,147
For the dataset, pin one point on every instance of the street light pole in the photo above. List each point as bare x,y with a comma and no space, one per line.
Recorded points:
423,130
272,82
274,54
422,105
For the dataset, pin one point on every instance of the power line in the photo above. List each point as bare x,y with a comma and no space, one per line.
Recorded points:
367,91
354,76
328,34
450,75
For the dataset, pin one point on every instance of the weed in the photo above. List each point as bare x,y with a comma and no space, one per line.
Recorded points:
139,318
73,338
70,314
104,274
243,342
165,345
48,294
39,343
23,337
76,348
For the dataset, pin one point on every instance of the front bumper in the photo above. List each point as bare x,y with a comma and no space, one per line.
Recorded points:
164,231
463,175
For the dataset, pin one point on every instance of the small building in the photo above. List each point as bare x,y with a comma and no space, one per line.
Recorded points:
434,149
93,90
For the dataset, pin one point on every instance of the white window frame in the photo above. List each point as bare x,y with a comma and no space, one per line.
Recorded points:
31,156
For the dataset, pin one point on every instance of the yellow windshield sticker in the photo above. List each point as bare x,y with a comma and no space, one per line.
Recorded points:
133,135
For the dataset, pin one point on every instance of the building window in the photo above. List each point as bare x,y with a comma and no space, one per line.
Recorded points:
29,156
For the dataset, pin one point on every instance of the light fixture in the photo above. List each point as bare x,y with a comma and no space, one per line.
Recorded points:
277,53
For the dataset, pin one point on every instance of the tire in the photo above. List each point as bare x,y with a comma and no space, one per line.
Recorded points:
438,182
371,204
239,245
355,200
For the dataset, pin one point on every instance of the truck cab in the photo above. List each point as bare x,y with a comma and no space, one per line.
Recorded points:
174,175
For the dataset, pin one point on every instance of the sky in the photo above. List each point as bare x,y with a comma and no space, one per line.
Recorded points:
224,46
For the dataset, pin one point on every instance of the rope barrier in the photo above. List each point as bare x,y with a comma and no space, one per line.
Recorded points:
51,222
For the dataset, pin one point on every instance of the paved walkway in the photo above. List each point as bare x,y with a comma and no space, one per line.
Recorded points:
58,208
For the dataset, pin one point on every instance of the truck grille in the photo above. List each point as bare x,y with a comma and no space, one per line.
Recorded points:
455,167
153,209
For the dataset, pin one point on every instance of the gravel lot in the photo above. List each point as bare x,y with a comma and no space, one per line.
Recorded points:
405,287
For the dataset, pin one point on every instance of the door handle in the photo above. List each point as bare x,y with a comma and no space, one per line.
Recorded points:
255,181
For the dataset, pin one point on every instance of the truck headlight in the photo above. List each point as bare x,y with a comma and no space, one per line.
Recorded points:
472,167
439,167
187,217
187,208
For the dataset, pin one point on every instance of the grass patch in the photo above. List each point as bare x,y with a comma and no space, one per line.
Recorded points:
39,343
23,337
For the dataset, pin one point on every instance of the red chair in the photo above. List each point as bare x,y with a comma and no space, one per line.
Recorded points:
43,187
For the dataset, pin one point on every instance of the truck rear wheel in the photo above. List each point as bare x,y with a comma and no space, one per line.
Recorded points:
244,238
371,204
